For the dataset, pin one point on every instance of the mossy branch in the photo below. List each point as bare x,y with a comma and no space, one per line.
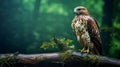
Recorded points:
57,57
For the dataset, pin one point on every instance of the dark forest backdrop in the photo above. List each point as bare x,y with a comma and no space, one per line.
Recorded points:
26,24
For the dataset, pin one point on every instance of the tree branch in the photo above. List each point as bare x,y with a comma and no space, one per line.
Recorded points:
56,57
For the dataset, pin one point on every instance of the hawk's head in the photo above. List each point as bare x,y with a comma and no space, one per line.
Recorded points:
80,10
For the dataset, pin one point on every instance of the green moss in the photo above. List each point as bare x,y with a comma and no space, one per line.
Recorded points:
92,59
66,56
8,61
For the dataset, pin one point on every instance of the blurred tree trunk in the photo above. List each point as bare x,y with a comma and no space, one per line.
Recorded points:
35,15
107,21
36,9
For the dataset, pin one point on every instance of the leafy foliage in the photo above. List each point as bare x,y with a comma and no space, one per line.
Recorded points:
62,44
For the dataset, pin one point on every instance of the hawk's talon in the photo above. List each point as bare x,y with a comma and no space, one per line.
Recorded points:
82,50
85,51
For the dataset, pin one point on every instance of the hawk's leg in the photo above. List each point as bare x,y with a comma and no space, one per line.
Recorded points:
88,50
84,50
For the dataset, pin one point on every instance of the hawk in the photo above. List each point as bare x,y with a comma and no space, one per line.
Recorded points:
87,31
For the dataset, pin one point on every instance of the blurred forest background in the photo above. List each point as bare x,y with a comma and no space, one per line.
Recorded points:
27,24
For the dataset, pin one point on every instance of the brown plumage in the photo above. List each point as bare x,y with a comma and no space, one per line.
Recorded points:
87,31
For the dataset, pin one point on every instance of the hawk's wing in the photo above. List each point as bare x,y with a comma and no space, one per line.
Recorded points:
93,30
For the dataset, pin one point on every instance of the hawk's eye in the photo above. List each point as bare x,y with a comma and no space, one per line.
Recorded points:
78,9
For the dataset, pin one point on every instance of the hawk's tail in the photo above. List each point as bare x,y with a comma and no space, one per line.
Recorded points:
97,49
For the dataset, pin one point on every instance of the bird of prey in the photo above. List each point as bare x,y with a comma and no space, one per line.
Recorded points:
87,31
